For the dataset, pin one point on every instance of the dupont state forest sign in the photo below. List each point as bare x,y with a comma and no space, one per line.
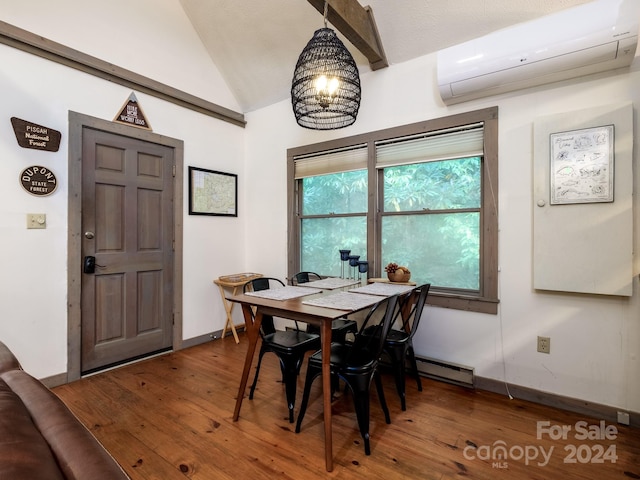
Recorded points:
38,181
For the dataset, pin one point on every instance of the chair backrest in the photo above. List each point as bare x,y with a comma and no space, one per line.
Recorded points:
411,322
367,348
304,277
263,283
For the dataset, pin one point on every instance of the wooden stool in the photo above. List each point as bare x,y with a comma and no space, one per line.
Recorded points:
235,283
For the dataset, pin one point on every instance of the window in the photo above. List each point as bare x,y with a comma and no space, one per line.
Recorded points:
422,195
431,218
332,196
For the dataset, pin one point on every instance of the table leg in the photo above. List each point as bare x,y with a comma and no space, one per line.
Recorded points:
252,327
325,335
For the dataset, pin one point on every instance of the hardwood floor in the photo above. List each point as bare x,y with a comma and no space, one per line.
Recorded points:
170,417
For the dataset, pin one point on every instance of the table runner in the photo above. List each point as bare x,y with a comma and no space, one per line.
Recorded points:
285,293
330,283
384,289
344,301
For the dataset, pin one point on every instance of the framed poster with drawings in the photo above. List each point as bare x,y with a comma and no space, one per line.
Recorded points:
582,165
212,193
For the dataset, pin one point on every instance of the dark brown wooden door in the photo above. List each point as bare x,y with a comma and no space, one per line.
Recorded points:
127,225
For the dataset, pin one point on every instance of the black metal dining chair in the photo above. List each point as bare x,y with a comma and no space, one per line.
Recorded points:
399,346
305,277
290,346
356,364
340,327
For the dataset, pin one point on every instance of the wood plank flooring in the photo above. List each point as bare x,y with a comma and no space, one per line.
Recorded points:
170,417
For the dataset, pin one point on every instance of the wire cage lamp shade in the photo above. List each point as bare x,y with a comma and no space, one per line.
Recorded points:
325,91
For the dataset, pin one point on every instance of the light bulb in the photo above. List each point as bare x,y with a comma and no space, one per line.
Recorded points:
321,83
334,83
325,89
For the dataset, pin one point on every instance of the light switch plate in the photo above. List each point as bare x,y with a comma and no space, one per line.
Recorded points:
36,220
623,418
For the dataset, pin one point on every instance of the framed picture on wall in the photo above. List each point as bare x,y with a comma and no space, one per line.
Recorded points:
582,165
212,193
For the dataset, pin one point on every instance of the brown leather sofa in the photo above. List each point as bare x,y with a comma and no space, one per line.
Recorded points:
40,439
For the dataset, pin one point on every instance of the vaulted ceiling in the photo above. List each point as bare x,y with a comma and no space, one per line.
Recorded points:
256,43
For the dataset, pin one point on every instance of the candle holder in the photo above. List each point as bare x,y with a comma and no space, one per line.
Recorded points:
363,267
344,257
353,261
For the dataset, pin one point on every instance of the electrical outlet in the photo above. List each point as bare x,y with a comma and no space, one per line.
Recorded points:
544,344
623,418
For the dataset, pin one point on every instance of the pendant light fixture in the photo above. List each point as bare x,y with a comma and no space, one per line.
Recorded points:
325,91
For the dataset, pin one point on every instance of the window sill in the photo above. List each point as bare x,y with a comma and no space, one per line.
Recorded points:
462,302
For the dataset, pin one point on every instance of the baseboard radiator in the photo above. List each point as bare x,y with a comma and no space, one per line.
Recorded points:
445,371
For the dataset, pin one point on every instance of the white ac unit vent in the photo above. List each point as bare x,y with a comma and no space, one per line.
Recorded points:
590,38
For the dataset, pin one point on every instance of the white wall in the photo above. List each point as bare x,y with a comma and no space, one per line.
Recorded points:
151,37
595,340
160,44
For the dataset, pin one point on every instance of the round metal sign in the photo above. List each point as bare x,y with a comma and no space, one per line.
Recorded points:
38,180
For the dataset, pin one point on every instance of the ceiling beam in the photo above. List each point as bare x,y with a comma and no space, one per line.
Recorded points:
56,52
357,24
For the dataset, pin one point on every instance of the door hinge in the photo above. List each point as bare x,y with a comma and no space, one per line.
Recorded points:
174,170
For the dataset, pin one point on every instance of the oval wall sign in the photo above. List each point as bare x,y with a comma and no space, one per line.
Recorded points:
38,180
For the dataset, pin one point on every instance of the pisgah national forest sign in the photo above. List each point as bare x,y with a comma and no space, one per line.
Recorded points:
32,135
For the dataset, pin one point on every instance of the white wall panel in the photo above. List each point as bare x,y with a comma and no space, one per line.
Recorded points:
584,247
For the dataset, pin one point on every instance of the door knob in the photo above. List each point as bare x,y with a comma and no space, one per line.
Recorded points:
89,235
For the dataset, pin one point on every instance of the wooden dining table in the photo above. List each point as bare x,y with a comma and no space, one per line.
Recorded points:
293,309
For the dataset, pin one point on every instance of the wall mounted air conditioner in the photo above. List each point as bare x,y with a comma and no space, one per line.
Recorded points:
591,38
